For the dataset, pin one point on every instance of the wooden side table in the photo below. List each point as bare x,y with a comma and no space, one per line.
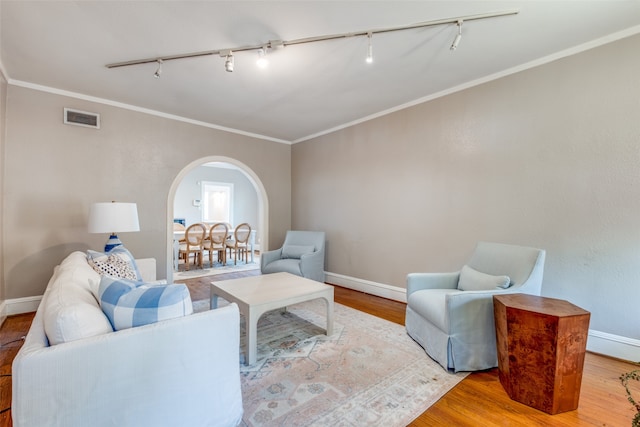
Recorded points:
541,345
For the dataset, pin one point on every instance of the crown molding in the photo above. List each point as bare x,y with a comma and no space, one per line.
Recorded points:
122,105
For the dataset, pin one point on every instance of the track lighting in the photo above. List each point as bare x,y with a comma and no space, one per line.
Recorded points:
228,63
277,44
369,50
456,41
262,61
159,70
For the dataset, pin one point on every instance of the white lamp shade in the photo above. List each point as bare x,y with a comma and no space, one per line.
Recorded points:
113,217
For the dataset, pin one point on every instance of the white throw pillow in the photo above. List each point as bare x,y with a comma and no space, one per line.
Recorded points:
474,280
130,303
70,311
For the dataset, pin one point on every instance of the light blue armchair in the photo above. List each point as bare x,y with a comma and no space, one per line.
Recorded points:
451,314
302,254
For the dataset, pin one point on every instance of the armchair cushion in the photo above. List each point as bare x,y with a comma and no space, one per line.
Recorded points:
129,303
288,265
296,251
474,280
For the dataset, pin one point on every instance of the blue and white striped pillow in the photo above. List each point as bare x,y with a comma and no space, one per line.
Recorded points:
129,303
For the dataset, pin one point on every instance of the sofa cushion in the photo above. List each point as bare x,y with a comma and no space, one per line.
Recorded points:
296,251
129,303
118,262
474,280
70,311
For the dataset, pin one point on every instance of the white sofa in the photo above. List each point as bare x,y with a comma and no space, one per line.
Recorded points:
178,372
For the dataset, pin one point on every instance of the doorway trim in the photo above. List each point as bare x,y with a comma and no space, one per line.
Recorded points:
262,234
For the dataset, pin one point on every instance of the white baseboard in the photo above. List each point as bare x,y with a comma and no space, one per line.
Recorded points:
22,305
614,345
598,342
378,289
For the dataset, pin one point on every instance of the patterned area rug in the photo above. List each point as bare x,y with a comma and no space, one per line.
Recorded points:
368,373
217,268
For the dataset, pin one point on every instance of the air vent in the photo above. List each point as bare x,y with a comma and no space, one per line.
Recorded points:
81,118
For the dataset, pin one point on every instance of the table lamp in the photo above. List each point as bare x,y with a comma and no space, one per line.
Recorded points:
113,217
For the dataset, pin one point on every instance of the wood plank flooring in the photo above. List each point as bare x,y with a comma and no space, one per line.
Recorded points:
478,400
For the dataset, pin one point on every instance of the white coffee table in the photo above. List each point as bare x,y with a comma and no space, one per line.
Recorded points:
256,295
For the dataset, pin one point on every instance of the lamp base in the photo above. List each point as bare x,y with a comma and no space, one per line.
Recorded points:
112,243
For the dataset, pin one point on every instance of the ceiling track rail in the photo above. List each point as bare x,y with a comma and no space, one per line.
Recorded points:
274,44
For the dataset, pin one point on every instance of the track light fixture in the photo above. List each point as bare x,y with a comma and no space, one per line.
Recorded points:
262,61
228,63
276,44
456,41
158,70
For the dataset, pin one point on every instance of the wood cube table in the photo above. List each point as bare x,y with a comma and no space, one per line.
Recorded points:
541,346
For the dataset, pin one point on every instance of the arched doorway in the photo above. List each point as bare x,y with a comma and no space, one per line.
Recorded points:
263,203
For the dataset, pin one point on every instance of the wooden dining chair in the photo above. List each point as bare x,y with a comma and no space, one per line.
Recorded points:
216,242
179,227
240,242
194,243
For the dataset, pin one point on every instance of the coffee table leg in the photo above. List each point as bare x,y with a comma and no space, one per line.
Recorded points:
251,341
329,316
213,303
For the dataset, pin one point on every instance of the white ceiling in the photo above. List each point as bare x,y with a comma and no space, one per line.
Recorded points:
307,89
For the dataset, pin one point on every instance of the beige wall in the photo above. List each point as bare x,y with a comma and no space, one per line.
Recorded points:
549,157
53,172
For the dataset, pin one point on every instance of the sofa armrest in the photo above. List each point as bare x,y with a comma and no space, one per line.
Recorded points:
183,371
422,281
147,268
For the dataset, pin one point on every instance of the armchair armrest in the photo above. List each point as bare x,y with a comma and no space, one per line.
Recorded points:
270,256
312,265
421,281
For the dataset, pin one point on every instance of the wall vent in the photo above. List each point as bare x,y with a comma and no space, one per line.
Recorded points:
81,118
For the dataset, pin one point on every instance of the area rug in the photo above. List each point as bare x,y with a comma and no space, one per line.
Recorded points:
217,268
368,373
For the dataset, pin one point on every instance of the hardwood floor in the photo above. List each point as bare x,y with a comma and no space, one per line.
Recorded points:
478,400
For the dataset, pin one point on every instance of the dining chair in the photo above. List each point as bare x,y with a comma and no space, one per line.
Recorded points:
179,227
194,240
240,242
216,242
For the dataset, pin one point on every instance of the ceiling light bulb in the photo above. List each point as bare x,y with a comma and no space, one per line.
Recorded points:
369,50
456,41
262,61
159,70
228,63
